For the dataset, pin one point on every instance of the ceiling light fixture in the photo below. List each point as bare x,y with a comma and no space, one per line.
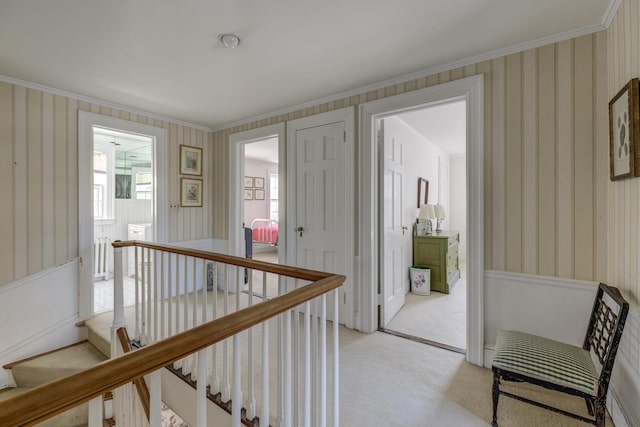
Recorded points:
229,40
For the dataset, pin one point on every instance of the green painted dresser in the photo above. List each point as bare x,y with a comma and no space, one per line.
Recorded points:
439,252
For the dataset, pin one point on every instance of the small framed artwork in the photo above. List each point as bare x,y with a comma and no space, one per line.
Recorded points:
190,193
259,194
248,182
248,194
258,182
624,133
423,192
190,160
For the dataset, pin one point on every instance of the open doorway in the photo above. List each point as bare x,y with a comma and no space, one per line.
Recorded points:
261,207
122,168
122,206
371,297
428,146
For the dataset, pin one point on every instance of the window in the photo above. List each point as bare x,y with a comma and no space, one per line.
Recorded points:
100,185
143,185
273,196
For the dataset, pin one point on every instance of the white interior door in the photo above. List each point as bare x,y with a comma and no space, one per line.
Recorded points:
393,266
320,216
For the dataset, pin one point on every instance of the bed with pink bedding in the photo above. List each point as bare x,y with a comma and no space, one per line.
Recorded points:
265,231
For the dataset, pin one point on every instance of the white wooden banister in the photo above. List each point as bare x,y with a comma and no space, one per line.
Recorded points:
207,332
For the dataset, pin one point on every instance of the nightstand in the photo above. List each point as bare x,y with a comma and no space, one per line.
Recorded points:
439,252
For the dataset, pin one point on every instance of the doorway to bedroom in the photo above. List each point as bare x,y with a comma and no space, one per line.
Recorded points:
258,208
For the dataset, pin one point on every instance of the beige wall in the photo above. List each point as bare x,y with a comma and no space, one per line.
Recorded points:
545,165
39,179
624,196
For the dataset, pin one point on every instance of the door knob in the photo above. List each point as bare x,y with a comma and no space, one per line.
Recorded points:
300,230
404,228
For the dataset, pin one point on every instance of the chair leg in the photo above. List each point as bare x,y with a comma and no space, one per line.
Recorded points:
496,395
589,406
600,413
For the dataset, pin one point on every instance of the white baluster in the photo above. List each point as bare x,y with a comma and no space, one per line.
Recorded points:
149,300
237,386
323,360
226,386
96,418
251,409
143,300
307,364
170,298
155,398
179,295
201,398
186,362
137,285
118,291
215,379
336,360
156,337
264,416
163,284
287,422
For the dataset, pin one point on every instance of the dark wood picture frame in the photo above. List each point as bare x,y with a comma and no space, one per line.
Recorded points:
191,193
624,133
423,192
190,160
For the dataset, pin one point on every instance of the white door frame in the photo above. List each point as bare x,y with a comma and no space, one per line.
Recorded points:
236,173
346,115
86,122
470,89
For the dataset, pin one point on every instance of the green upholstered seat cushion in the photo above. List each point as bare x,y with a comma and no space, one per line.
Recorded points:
547,360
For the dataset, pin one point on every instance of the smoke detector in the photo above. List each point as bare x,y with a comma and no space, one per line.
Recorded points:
230,41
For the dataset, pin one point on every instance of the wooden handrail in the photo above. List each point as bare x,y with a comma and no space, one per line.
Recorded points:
50,399
280,269
140,383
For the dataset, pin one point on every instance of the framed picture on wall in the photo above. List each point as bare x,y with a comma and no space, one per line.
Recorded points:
258,182
259,194
248,194
190,160
190,193
624,132
248,182
423,192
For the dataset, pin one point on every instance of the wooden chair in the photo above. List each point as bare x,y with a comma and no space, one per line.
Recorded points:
557,366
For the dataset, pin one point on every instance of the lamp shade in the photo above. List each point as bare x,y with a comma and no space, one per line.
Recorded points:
440,212
427,212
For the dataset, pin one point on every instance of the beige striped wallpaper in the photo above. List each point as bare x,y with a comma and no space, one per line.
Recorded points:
624,196
545,157
39,179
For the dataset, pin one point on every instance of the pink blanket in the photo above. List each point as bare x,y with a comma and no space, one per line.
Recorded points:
266,234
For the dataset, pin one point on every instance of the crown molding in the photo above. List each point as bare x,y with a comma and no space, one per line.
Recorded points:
101,102
543,41
611,12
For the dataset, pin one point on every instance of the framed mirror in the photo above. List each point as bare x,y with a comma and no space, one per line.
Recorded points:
423,192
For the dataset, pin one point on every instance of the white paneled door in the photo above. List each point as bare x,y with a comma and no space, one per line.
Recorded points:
393,263
320,195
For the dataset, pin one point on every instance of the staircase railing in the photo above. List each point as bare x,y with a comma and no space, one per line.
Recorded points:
188,304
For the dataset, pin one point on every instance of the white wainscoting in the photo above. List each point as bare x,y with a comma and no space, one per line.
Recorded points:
559,309
37,314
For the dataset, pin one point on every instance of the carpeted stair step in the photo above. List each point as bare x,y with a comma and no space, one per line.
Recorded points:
56,365
49,367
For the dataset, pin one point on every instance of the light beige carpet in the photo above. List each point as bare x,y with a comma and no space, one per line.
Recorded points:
438,317
390,381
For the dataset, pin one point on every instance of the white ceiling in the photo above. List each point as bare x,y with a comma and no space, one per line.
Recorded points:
163,56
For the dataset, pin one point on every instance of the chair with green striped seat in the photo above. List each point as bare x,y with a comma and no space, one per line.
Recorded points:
558,366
